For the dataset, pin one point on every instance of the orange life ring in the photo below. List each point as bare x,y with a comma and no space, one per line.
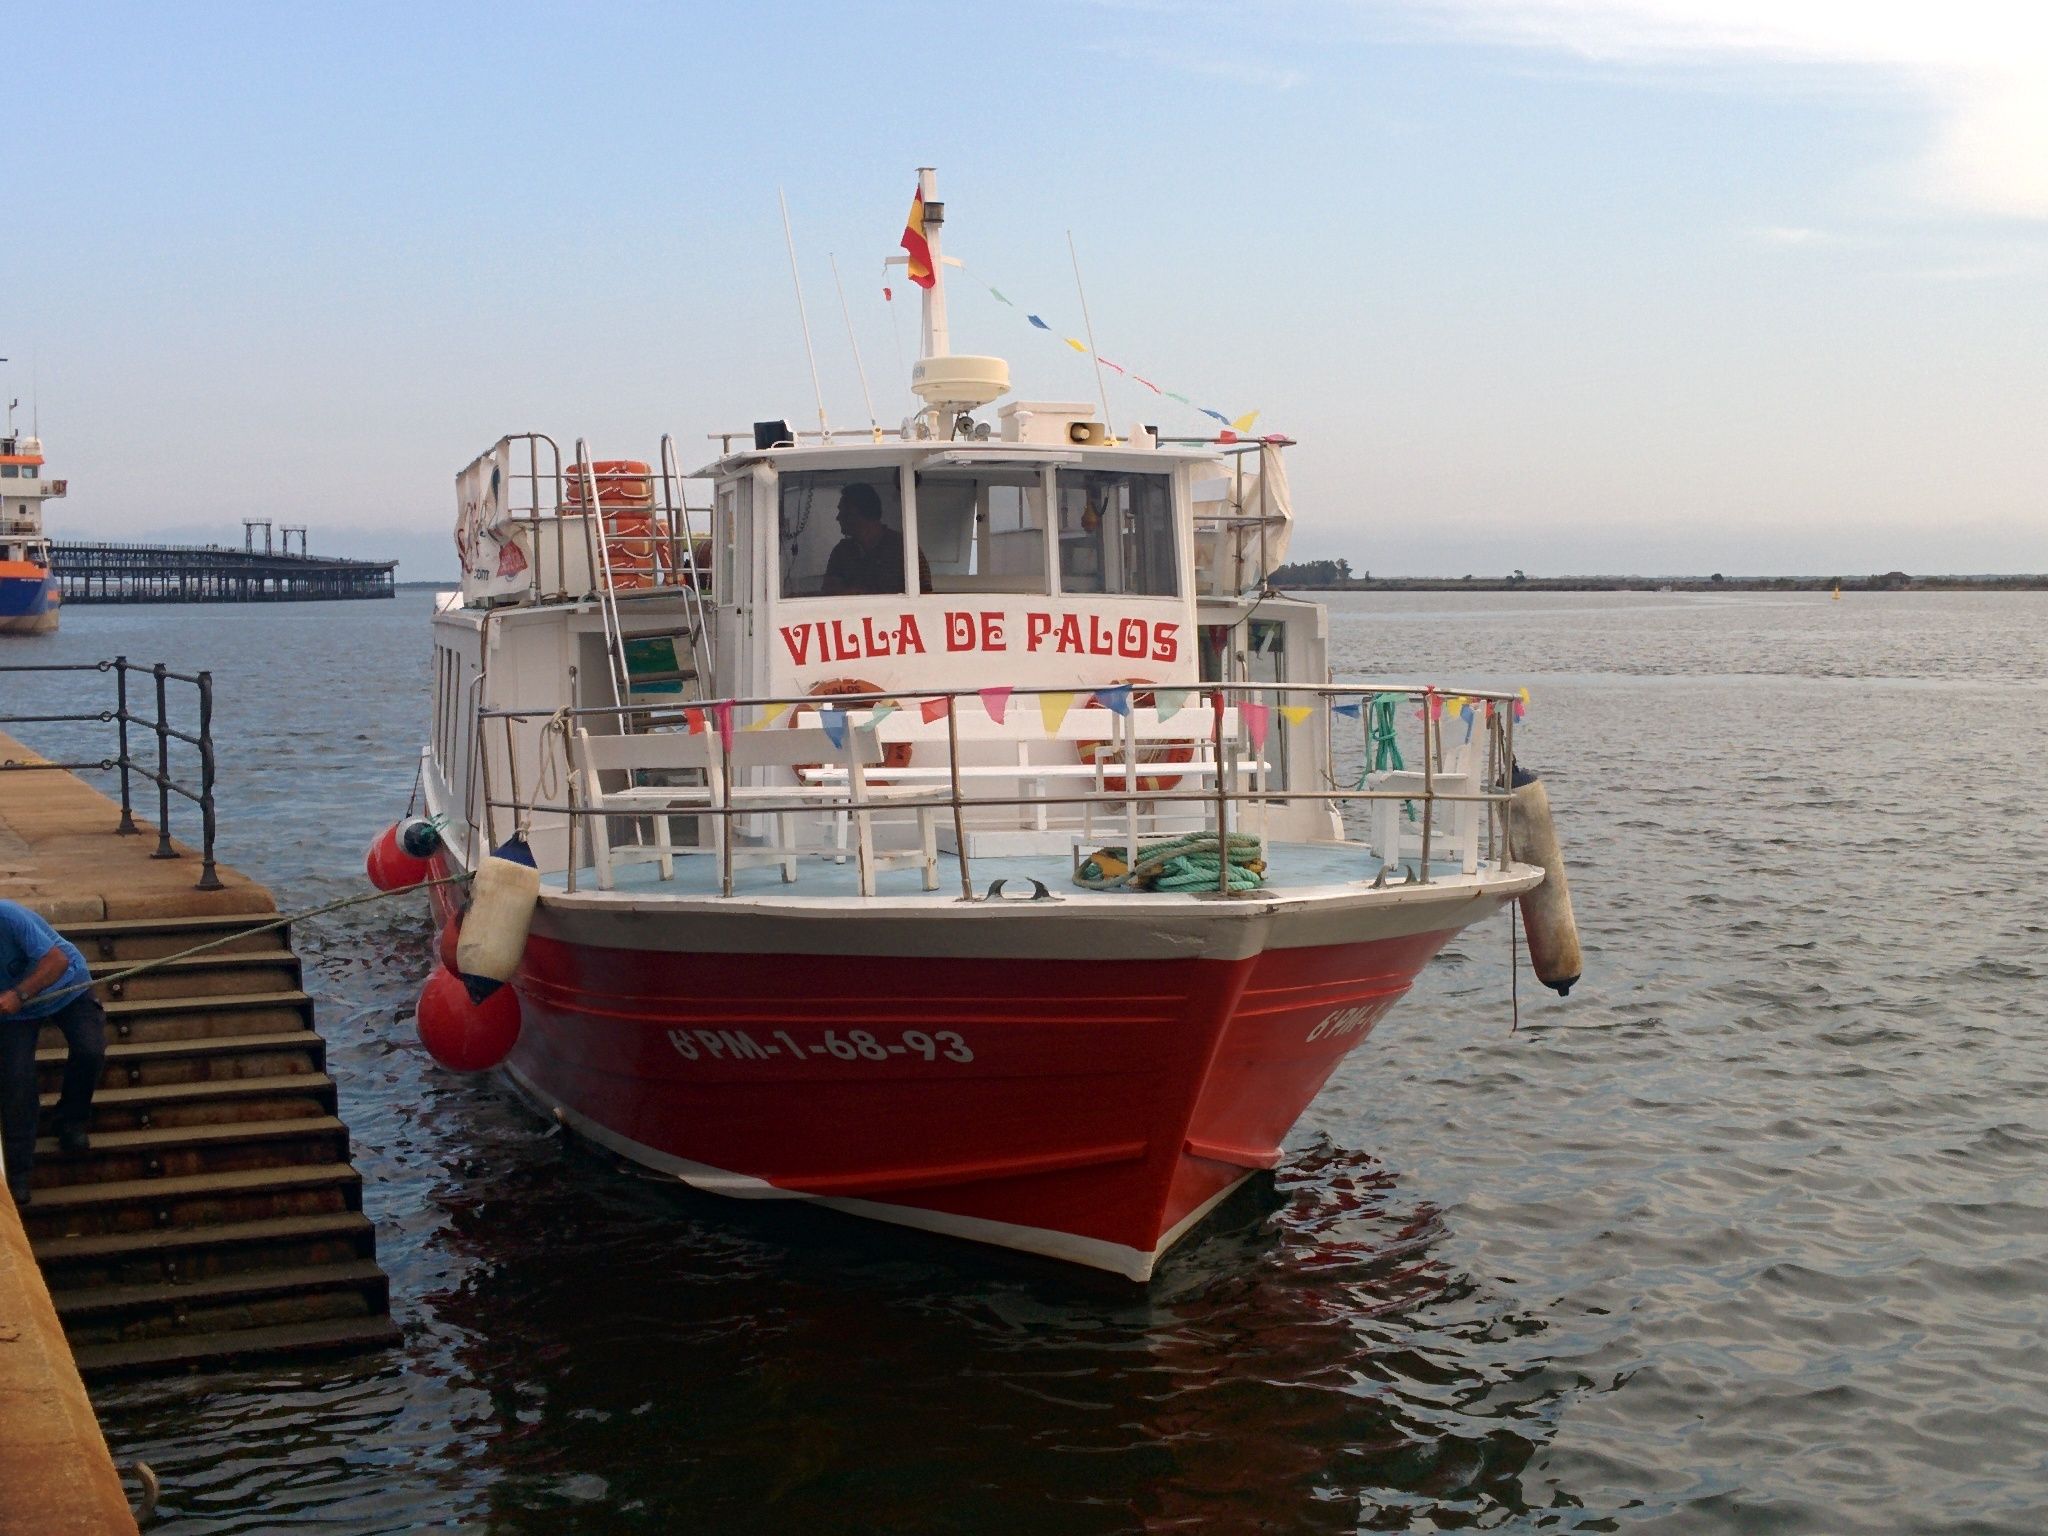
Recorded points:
895,754
624,492
620,483
1158,752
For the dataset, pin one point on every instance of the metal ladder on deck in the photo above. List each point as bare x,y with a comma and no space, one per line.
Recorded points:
685,575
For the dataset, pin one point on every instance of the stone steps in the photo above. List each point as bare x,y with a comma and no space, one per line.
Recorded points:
215,1218
288,1096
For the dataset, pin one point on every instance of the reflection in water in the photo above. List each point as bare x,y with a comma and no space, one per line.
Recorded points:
659,1354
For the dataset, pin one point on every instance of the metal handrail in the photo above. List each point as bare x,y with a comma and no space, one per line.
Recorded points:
1495,795
121,717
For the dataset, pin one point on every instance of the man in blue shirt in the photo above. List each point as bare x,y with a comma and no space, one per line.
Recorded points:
43,980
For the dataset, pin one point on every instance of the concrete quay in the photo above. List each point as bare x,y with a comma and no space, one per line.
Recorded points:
216,1218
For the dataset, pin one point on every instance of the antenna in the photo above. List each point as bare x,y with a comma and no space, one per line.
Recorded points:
1101,385
852,341
817,389
895,330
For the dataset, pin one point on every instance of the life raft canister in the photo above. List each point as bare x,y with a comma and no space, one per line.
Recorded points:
1547,910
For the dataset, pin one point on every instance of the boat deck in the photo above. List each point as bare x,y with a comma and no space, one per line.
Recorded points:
1293,870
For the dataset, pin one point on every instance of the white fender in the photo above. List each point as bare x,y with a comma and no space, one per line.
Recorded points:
501,903
1546,910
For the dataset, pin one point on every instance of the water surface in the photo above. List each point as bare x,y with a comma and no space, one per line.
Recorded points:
1748,1235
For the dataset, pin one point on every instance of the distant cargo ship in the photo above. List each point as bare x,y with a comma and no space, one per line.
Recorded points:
29,599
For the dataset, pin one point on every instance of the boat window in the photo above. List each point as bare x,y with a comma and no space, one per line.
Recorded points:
982,530
840,533
10,471
1116,533
733,500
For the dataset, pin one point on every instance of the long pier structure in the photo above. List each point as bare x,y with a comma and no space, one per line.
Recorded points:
174,573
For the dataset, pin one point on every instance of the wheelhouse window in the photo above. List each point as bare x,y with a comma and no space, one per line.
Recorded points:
982,530
1116,533
840,533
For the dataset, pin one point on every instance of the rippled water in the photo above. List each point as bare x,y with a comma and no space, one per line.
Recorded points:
1749,1235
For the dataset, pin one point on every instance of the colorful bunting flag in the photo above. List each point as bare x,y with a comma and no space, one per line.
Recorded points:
693,720
997,702
883,711
1349,711
1256,718
1039,322
1171,701
722,713
1116,700
932,709
1052,709
1296,714
833,719
1217,414
769,715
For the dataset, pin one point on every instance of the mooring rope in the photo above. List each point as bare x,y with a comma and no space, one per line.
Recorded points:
285,921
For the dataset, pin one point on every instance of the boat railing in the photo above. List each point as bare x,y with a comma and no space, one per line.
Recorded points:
158,724
1230,721
579,545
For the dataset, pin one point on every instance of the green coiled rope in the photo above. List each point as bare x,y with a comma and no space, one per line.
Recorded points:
1191,863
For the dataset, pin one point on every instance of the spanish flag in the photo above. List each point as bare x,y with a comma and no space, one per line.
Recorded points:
920,267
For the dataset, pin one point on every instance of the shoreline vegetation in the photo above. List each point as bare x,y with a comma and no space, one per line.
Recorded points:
1337,576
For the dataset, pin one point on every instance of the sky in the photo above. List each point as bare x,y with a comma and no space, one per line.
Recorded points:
1565,286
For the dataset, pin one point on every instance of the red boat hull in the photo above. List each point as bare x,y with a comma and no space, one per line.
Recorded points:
1091,1110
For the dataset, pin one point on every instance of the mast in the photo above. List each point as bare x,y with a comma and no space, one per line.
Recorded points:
936,342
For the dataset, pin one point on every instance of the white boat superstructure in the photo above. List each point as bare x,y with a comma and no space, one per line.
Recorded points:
948,824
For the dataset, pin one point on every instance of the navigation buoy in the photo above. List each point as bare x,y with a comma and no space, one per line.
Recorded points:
462,1034
502,899
1547,910
390,867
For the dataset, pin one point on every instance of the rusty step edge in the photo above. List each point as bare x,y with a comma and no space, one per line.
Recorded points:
105,1301
199,1045
226,1002
149,1356
72,1197
169,1095
171,1137
219,960
105,1246
134,927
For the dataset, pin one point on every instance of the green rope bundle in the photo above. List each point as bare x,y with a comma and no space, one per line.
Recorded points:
1190,863
1384,739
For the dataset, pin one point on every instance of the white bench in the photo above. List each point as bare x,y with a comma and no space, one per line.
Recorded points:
1454,828
681,752
1116,770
